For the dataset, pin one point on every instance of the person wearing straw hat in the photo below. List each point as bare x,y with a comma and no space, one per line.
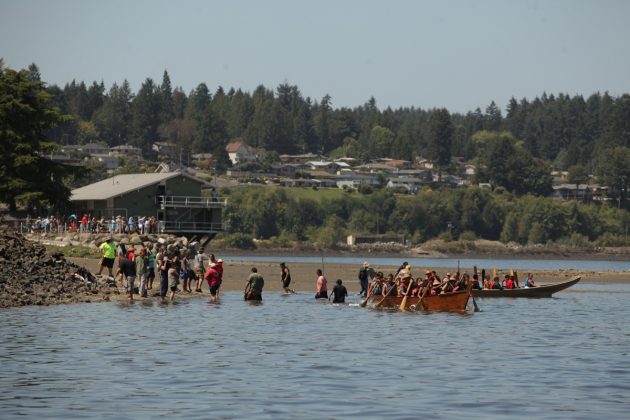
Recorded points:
364,274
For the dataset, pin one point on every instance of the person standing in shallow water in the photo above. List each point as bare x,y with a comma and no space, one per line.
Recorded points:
254,286
199,269
128,269
321,286
141,271
364,279
285,278
339,292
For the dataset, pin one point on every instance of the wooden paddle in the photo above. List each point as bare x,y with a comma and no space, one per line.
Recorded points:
424,293
475,303
471,295
404,301
247,289
367,296
389,292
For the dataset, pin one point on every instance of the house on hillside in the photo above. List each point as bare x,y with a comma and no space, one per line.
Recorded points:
395,163
173,198
581,192
110,162
126,150
377,167
354,180
90,149
299,158
165,149
284,170
240,152
411,185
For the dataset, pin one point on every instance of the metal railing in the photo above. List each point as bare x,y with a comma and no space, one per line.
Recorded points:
191,201
193,227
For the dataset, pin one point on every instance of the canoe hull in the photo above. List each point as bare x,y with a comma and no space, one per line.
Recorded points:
544,291
448,302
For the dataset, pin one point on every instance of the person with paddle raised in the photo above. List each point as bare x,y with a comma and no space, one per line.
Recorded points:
254,286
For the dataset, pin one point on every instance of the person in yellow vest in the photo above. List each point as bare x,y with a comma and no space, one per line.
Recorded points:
108,252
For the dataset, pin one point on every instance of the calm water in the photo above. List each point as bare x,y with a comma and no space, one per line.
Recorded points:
501,264
293,357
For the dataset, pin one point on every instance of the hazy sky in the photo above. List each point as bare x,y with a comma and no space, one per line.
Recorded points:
458,54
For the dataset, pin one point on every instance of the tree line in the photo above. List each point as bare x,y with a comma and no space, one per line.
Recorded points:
515,151
561,129
465,214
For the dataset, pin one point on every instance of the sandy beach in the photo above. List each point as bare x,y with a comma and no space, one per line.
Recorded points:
303,274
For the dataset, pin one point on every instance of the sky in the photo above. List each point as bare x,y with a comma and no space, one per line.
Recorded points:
458,54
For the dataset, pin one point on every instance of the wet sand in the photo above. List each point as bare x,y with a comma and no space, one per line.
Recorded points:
303,275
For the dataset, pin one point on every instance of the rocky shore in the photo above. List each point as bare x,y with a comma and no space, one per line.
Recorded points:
29,276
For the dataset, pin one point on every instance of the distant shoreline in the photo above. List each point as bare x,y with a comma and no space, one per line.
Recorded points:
548,255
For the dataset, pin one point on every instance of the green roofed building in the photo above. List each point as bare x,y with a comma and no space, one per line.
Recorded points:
175,199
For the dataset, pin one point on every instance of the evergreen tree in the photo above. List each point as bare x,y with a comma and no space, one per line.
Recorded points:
26,175
321,124
145,116
113,119
440,136
493,118
179,102
167,106
240,114
95,99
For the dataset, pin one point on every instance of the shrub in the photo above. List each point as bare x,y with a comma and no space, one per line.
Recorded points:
468,235
610,239
239,240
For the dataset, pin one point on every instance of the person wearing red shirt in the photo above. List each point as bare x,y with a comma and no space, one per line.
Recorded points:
219,269
212,277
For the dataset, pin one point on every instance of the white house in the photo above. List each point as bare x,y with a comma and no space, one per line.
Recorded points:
240,152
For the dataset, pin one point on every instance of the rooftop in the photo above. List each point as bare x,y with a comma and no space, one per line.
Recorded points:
119,185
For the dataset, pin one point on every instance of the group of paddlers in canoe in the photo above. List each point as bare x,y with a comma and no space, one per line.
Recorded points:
401,290
450,292
402,283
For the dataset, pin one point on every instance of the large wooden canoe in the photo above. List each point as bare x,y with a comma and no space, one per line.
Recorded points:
448,302
543,291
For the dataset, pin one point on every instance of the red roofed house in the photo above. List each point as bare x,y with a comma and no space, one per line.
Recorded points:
240,152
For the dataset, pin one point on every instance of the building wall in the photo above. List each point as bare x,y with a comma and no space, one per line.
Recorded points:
141,202
181,185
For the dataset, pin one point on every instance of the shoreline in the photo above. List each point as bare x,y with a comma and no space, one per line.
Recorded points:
366,254
304,278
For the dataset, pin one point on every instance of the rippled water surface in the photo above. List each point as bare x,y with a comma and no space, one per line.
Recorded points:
293,357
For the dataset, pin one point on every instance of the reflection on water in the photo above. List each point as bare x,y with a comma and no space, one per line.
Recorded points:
292,357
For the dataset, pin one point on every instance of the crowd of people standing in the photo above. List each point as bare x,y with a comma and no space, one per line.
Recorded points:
173,269
90,224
